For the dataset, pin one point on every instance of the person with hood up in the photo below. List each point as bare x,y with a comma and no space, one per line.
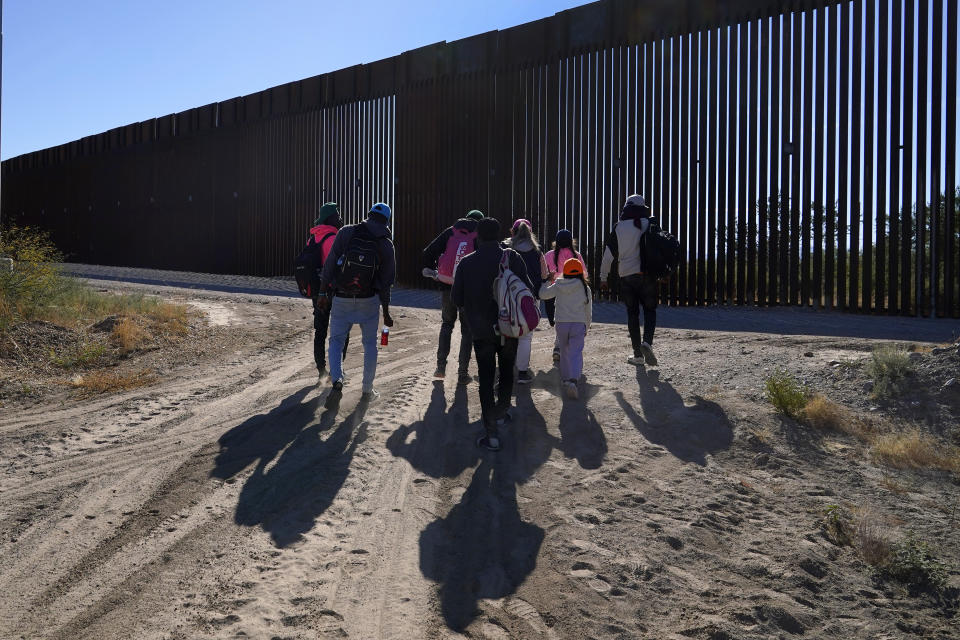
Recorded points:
323,233
473,292
360,269
637,288
574,312
564,248
523,241
440,261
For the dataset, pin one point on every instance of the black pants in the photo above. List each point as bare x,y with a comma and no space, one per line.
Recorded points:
321,322
637,291
551,306
448,315
488,352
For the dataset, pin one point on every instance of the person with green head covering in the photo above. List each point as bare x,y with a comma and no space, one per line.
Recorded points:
440,260
322,234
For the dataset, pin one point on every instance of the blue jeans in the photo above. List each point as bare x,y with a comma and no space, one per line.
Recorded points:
344,313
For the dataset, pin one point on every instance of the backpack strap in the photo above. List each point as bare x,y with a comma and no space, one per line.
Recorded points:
504,260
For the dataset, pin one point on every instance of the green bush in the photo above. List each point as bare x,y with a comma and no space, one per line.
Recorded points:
34,279
889,367
911,563
786,394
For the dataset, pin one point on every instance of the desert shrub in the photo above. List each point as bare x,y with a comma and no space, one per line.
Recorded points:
824,414
911,563
786,394
129,336
914,449
871,537
82,355
34,279
836,525
889,366
103,381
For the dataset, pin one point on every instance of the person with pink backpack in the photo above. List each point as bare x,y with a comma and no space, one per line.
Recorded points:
564,248
440,261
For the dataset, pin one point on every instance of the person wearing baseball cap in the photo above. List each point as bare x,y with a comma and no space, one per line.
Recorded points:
573,314
324,231
637,289
359,273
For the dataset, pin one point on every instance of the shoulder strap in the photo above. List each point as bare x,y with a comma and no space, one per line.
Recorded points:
504,260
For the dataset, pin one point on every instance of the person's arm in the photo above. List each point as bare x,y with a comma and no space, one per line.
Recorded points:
385,277
548,290
544,271
610,253
433,251
589,311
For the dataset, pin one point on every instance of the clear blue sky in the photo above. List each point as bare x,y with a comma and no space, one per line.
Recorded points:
72,68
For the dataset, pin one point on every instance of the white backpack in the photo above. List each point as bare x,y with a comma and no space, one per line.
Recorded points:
519,312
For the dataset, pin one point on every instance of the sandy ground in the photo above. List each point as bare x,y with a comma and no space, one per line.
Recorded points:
234,499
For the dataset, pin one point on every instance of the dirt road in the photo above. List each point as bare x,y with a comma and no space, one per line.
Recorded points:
235,499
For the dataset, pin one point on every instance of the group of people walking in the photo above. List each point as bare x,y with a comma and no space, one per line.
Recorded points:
356,267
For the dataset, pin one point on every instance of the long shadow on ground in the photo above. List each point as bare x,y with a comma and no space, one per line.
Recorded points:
482,548
286,499
689,433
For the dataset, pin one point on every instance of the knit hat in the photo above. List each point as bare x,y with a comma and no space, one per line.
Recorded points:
572,267
328,210
518,222
564,239
475,214
381,208
488,229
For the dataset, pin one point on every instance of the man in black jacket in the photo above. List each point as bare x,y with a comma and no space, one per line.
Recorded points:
465,228
361,267
473,292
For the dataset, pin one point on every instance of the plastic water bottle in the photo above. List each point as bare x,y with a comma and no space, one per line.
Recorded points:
384,336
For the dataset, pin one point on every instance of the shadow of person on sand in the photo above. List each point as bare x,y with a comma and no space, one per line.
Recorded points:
482,548
286,499
581,434
432,445
687,432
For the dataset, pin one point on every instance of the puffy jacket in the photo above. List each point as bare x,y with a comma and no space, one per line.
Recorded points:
473,286
573,304
624,245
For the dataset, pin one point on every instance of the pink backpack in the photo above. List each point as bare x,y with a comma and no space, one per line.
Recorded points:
518,311
460,244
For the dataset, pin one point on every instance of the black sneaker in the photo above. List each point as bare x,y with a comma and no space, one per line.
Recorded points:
524,377
464,378
338,384
440,372
490,443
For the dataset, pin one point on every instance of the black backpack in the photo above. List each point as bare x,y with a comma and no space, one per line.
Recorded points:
660,251
359,263
308,266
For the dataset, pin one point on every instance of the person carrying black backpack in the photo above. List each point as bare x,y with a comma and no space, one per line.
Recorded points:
638,287
360,270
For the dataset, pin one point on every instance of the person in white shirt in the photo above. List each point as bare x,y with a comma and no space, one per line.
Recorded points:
573,314
637,289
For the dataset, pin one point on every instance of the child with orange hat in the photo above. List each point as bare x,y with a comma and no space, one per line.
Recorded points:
574,312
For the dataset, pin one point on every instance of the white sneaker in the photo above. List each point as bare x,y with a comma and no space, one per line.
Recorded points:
648,355
635,360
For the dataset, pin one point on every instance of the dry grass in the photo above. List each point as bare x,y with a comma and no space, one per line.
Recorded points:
129,336
871,536
914,449
105,381
893,486
822,413
171,318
